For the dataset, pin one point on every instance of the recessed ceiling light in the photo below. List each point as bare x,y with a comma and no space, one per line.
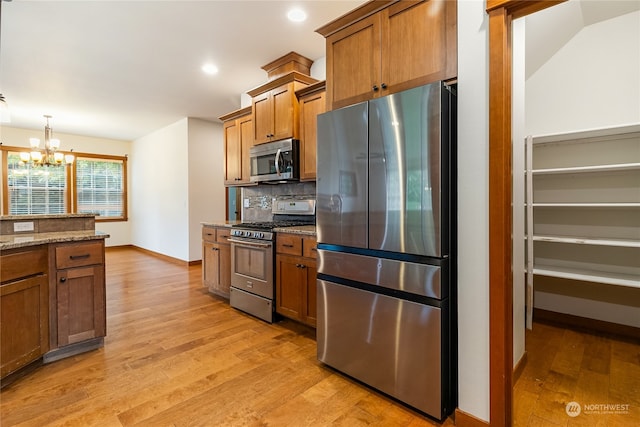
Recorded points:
296,15
210,69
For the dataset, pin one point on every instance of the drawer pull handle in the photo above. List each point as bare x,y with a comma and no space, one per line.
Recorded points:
287,246
314,249
75,257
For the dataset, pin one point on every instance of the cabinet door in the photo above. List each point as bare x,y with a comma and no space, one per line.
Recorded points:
353,63
416,30
310,107
310,298
24,324
245,125
210,265
283,99
262,118
81,307
232,159
289,286
224,278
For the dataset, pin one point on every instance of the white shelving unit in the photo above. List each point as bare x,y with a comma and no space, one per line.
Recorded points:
583,207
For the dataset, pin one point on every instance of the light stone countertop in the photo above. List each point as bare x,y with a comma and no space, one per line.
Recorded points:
13,241
221,223
307,230
43,216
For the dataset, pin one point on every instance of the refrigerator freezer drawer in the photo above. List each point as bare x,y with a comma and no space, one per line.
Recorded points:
414,278
390,344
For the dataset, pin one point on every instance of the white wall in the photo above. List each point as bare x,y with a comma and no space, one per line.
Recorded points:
120,231
473,206
518,202
591,82
160,191
176,184
206,192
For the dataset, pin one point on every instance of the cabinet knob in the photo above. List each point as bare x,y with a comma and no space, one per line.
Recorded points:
375,88
384,85
63,279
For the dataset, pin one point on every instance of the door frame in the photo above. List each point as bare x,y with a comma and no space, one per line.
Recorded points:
501,14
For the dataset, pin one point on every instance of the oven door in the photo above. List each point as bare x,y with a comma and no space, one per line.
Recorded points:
252,266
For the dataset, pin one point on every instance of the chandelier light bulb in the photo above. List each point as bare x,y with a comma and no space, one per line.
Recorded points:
34,142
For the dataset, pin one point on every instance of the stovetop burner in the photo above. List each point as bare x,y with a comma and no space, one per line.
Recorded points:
270,225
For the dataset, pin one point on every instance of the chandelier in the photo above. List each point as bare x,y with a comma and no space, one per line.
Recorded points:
49,155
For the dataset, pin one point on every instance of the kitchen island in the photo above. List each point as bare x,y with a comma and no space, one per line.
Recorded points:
52,290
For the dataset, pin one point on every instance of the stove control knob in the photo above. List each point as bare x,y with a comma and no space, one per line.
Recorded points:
259,235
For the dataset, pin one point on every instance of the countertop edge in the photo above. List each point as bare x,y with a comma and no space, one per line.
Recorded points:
26,240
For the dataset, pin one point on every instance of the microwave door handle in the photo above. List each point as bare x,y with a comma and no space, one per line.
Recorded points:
278,162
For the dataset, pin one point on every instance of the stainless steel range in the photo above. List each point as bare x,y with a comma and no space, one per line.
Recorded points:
253,256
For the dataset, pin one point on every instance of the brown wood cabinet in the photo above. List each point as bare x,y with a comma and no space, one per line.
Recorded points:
80,306
373,52
275,107
24,308
312,101
216,260
296,271
238,138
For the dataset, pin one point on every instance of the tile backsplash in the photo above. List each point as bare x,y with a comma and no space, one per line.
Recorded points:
260,198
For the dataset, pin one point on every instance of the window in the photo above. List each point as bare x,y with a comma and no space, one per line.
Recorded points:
35,190
94,184
100,187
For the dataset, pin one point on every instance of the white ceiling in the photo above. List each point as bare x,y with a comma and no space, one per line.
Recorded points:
123,69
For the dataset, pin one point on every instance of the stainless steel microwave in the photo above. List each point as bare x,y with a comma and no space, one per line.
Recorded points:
275,161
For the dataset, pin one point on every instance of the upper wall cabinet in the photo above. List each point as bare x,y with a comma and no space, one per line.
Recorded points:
238,138
274,104
312,102
385,47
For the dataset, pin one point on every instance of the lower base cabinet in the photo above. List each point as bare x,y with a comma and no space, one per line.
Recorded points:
24,310
296,272
216,260
78,306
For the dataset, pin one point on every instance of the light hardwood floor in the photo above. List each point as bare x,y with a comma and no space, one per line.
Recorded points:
176,356
564,366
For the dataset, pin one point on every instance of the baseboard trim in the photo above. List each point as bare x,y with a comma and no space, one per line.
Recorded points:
517,370
156,255
467,420
584,324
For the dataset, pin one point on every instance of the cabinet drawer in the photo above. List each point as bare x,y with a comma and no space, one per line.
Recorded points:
309,245
77,255
289,244
208,234
23,263
222,235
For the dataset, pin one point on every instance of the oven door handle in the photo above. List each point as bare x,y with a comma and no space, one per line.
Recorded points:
244,242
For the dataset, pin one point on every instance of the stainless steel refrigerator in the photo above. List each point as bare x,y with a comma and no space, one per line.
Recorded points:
386,224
